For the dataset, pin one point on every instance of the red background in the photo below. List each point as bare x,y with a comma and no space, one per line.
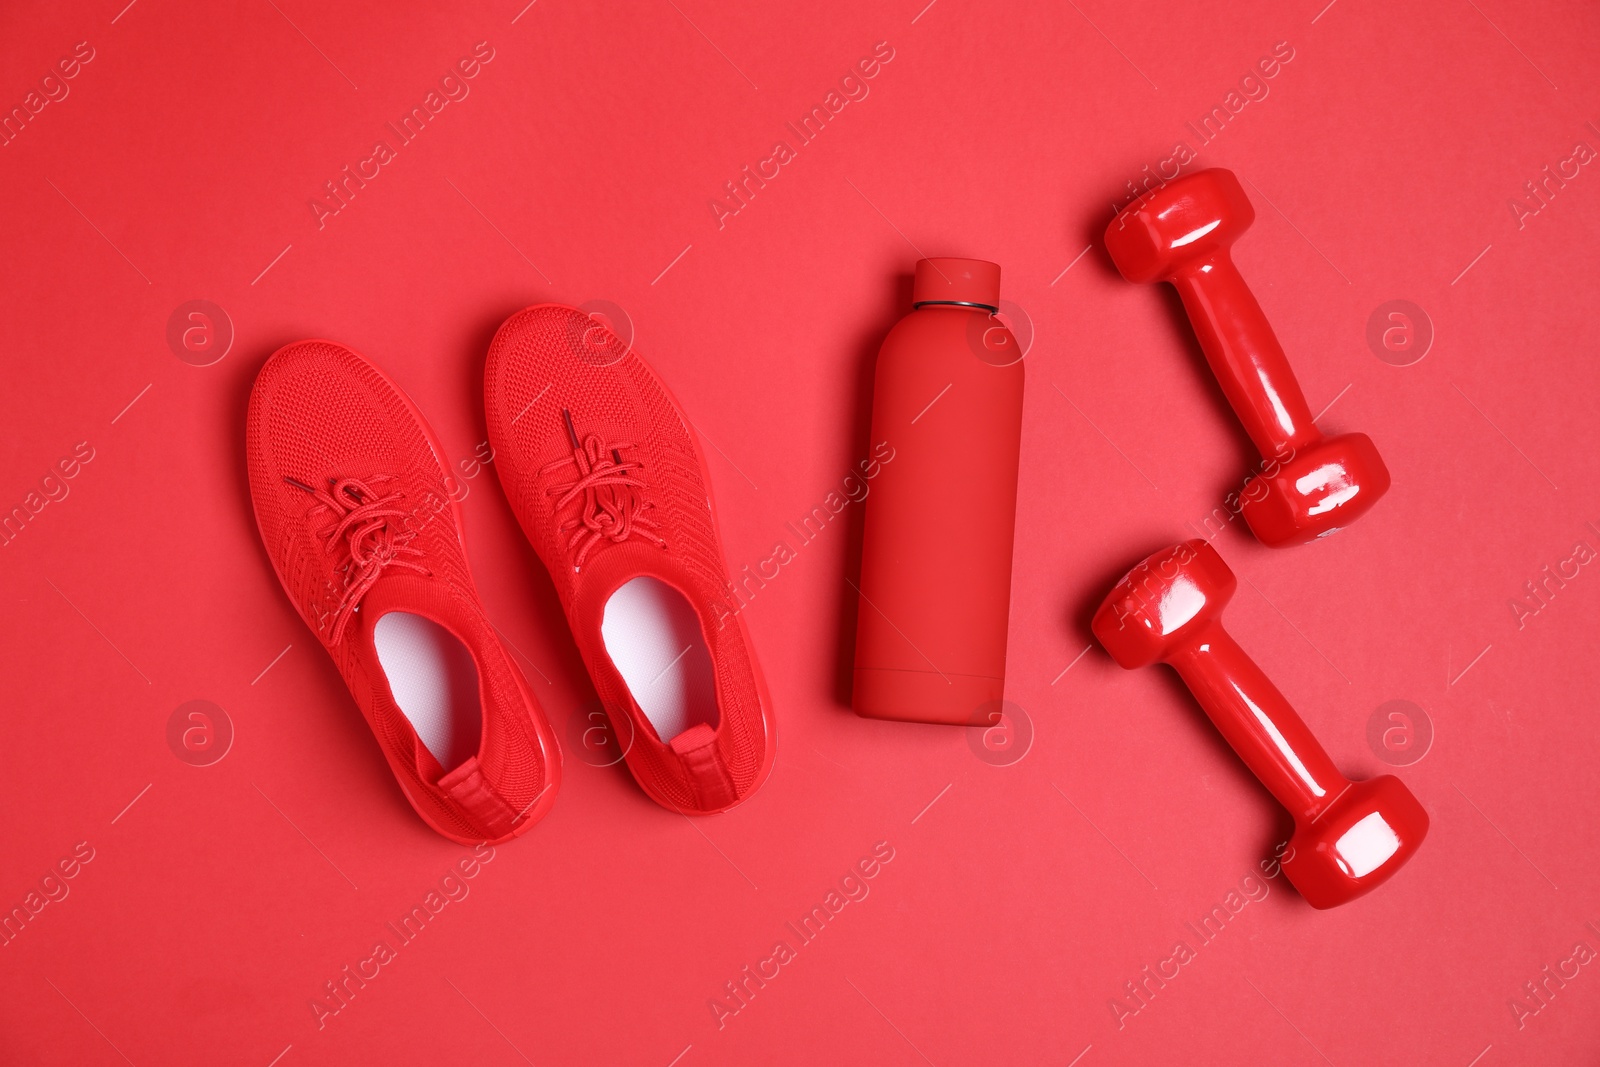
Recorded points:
1382,161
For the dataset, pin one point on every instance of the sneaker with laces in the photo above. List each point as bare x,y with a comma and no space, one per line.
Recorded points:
354,506
606,478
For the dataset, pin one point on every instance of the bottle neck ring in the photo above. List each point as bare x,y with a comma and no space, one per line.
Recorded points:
990,308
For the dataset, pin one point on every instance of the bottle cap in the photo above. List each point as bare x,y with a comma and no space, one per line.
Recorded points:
974,282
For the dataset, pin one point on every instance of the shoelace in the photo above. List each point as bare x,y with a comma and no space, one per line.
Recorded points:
613,508
371,527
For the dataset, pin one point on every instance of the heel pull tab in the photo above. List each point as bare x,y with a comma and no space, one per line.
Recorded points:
708,775
467,786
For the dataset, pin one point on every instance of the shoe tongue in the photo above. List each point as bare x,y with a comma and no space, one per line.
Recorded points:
610,564
417,594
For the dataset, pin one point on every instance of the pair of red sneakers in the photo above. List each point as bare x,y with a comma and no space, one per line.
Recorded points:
608,483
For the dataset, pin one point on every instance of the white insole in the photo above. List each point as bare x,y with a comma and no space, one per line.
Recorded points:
435,682
653,636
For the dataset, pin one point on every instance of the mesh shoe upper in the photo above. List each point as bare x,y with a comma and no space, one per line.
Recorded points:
604,474
352,503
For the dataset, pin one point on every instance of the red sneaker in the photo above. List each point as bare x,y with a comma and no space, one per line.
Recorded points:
605,476
350,497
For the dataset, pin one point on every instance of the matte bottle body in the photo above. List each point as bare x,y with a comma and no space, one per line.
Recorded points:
936,557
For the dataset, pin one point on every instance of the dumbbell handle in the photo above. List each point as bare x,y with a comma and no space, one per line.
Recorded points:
1258,722
1245,356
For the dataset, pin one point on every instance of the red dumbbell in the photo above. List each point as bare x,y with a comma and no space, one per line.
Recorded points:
1349,837
1309,485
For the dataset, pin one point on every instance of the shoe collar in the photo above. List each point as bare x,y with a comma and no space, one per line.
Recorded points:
436,600
606,573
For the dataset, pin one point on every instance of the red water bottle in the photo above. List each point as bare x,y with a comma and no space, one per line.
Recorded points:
936,557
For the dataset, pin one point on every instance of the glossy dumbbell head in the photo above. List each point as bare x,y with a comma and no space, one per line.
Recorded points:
1162,603
1357,844
1315,492
1343,846
1184,221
